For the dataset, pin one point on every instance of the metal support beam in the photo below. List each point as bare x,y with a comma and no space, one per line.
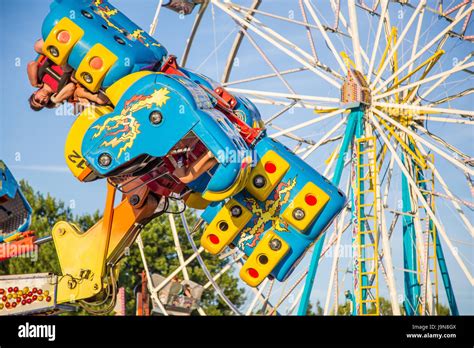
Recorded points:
318,247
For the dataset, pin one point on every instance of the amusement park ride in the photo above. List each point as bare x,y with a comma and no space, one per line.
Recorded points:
167,133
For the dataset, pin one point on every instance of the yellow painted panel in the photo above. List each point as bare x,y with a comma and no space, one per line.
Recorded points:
97,75
263,252
115,92
272,179
72,149
62,48
195,201
311,212
215,238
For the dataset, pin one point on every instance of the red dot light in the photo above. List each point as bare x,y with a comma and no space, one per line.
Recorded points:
214,239
270,167
253,272
310,199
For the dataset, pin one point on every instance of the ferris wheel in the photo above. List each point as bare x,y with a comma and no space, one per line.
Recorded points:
377,96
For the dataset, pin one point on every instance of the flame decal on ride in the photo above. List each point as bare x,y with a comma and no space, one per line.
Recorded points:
268,213
107,13
138,35
124,128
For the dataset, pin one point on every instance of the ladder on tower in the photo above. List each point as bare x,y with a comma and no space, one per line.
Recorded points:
425,181
367,238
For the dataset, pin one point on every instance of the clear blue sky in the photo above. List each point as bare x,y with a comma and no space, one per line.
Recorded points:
32,143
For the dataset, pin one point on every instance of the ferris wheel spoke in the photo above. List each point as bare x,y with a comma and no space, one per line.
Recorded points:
238,41
378,34
328,41
443,119
309,34
338,232
257,296
340,17
308,123
243,22
447,157
303,53
290,96
415,42
356,48
151,289
264,76
448,192
422,199
154,23
269,63
279,113
194,29
204,268
452,97
323,139
439,82
448,73
400,39
386,253
425,109
292,136
444,33
277,40
466,158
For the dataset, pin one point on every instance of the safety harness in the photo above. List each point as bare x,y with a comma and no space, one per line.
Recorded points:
52,75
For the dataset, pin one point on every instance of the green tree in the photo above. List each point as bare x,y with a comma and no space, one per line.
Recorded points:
385,308
159,248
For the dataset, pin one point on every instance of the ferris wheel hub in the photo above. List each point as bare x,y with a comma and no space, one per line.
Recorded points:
355,90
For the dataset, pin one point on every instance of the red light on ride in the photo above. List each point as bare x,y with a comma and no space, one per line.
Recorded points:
15,289
253,272
311,199
10,289
48,299
4,299
214,239
64,36
96,63
270,167
14,304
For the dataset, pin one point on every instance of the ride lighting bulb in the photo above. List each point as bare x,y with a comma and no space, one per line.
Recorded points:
64,36
96,63
214,239
253,272
311,199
